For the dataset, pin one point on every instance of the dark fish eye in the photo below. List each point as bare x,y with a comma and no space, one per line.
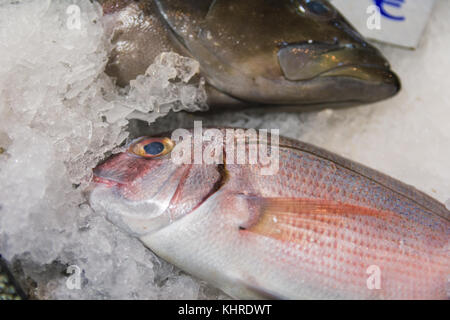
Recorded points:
317,7
154,148
151,148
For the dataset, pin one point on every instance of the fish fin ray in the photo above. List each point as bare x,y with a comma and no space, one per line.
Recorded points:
290,219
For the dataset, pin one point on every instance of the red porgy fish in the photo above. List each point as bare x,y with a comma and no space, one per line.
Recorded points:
320,227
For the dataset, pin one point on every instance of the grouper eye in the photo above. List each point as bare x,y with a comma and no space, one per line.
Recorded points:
315,8
151,147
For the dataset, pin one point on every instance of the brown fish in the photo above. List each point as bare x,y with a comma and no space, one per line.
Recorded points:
293,54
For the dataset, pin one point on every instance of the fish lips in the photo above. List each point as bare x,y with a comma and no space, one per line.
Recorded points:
121,168
309,61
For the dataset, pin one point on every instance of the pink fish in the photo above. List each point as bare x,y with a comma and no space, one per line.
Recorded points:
321,227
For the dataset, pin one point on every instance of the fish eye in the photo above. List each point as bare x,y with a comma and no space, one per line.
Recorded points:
154,148
317,7
151,147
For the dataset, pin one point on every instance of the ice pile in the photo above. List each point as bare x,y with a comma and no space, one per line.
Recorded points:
59,115
153,94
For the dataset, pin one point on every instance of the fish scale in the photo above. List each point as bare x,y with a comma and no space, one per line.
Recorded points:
348,182
312,230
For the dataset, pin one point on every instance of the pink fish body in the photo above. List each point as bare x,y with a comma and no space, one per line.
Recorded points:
321,227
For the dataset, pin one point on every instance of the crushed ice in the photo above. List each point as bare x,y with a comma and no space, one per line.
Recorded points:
59,115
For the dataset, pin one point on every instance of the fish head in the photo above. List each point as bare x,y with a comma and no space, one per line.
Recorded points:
143,189
134,188
288,52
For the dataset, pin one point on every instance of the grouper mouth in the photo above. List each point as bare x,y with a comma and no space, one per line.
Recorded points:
306,61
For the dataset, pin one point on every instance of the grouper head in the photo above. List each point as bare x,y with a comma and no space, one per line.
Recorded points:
299,53
284,52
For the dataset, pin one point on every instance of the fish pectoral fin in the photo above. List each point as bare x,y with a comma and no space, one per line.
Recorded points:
293,219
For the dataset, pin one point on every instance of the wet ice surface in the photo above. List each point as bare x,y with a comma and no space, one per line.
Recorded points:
59,114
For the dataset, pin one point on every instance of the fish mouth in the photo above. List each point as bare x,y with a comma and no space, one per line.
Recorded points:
341,72
306,61
96,179
120,169
376,82
370,74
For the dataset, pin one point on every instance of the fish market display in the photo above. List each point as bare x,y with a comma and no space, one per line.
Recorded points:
314,226
297,55
257,235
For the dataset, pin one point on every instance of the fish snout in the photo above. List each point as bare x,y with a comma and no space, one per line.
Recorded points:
348,65
305,61
121,168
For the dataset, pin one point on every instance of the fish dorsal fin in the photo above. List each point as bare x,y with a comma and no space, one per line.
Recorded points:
410,192
420,198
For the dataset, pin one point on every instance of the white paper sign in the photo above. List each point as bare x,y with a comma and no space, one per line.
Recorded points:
399,22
